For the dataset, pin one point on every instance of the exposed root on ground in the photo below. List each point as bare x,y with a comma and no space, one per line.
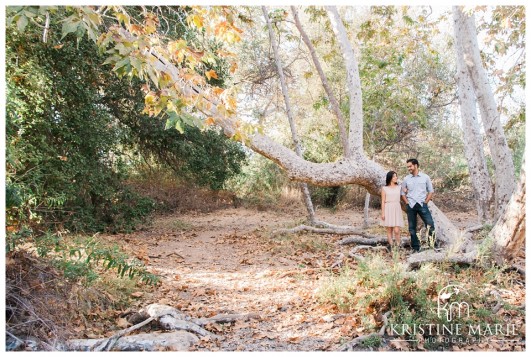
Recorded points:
369,241
431,256
168,318
355,250
324,228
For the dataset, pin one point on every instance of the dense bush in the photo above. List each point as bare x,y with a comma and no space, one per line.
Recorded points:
74,133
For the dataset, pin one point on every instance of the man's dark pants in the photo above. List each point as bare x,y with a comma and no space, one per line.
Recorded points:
425,215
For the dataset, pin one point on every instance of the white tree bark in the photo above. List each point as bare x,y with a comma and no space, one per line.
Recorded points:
505,180
304,187
508,234
355,169
473,143
331,97
355,144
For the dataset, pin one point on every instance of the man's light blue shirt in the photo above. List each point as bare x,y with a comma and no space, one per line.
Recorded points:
417,188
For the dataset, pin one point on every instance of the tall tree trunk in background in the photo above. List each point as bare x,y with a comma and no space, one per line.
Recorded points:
508,235
505,179
473,143
304,187
331,97
355,135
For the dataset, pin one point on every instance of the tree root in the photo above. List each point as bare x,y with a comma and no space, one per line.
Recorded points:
519,269
350,345
370,241
168,318
431,256
225,318
108,343
328,229
354,250
475,228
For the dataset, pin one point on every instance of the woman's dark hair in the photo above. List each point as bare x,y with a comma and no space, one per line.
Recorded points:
389,177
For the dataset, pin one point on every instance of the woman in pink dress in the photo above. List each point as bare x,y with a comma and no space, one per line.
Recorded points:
391,210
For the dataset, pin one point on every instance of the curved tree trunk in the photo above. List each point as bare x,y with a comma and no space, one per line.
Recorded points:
501,154
356,168
303,186
473,143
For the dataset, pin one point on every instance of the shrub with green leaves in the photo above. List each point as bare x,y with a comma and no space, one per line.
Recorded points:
74,132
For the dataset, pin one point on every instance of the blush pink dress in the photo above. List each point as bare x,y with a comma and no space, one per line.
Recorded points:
393,212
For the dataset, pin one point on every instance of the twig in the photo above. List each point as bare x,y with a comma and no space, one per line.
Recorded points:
339,261
499,303
15,337
359,339
108,343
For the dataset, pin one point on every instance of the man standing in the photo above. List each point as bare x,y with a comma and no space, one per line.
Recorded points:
417,191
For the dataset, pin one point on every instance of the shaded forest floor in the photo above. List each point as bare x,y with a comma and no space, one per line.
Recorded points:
229,262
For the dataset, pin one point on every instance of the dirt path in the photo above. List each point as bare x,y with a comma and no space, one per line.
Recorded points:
228,262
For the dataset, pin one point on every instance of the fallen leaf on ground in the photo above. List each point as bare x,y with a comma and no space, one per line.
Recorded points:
399,345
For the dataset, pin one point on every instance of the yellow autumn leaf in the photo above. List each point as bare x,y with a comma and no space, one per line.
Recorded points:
217,91
198,21
150,98
211,74
225,53
210,121
177,45
232,37
230,103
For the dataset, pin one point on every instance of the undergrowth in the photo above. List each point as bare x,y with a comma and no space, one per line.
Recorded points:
45,306
80,258
378,284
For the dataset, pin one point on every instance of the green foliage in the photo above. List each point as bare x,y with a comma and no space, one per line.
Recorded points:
62,145
260,181
204,158
373,341
379,285
74,132
81,257
327,196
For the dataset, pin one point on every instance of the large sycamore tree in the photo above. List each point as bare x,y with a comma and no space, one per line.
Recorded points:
180,85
